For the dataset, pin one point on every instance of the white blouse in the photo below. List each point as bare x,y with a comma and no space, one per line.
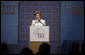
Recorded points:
37,23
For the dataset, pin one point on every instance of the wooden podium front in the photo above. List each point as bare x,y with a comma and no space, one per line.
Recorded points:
38,35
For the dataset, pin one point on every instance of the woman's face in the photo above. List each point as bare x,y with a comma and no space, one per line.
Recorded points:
38,16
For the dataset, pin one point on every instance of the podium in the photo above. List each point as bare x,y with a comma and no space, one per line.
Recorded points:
37,36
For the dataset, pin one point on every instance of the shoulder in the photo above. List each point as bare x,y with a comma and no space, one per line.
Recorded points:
42,20
33,20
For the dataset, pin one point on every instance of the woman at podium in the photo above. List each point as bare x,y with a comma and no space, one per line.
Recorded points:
38,21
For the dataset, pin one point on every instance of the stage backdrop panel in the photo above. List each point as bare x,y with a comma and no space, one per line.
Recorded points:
50,12
9,22
72,22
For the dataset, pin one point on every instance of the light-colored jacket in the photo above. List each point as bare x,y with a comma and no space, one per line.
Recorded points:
37,23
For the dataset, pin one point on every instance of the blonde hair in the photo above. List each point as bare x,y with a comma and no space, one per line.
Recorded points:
37,12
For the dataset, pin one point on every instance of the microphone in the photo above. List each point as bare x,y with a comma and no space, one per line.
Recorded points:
39,20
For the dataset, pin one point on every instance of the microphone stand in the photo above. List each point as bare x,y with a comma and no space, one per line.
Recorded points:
41,23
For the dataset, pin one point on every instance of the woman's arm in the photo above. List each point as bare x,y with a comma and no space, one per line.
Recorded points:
33,23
